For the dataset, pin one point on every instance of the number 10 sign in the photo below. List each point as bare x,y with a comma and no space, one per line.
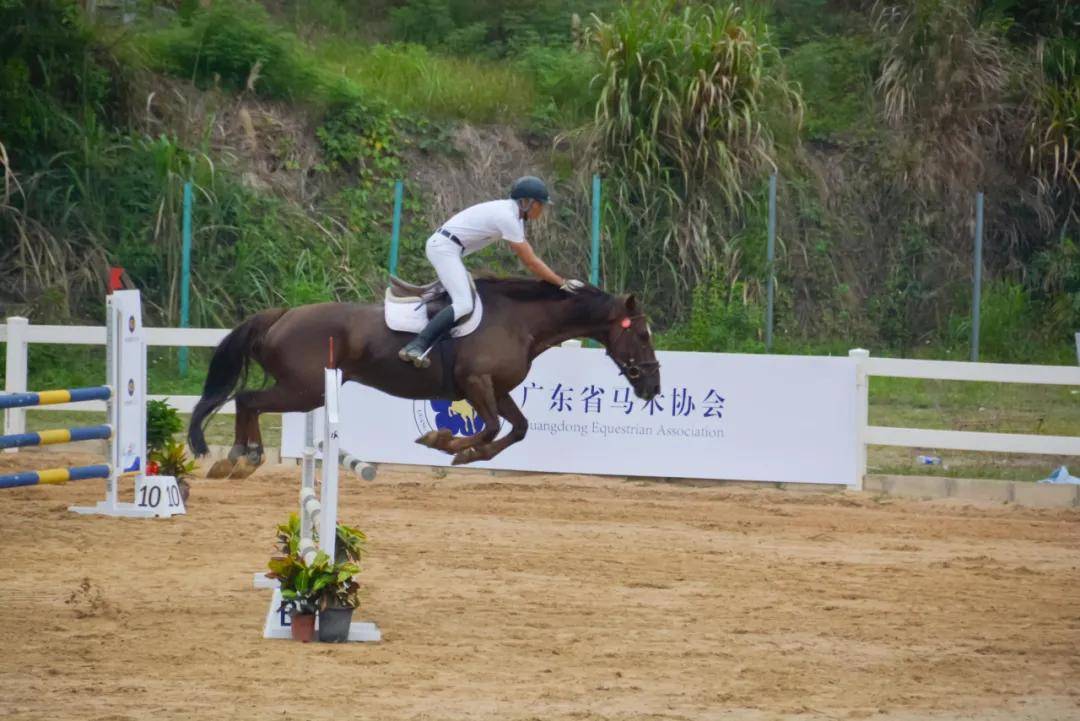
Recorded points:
159,494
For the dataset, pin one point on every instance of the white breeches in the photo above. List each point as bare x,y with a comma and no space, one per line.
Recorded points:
445,255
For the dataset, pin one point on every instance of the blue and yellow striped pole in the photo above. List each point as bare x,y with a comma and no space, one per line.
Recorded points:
56,435
51,398
55,475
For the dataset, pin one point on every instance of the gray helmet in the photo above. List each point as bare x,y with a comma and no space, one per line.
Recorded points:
531,187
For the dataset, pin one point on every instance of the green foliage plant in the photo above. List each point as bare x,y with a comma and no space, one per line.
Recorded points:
172,460
679,130
162,423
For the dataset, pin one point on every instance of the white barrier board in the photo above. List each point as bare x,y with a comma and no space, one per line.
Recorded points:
129,391
720,416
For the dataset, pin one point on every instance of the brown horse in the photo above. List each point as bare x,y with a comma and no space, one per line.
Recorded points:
522,319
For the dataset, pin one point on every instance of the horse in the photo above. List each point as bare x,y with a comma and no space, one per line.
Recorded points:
521,319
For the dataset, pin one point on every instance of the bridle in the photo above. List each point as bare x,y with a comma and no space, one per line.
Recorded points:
632,369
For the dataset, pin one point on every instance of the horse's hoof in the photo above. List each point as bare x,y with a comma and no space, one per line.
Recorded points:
435,439
221,469
422,363
243,469
466,456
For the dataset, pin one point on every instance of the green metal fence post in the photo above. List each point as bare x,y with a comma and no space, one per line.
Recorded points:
185,276
395,235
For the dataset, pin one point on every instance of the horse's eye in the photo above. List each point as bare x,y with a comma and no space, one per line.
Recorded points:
633,373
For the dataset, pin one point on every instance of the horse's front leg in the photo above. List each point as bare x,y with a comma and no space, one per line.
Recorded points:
480,391
509,410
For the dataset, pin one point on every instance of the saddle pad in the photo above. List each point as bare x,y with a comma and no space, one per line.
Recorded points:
409,315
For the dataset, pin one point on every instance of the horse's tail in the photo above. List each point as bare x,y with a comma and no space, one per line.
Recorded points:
228,370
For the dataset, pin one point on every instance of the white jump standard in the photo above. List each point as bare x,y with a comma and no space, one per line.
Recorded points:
125,430
319,511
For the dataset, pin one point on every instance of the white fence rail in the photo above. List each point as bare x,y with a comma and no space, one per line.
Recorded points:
957,440
18,334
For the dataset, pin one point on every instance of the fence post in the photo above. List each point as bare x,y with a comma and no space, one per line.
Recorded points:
185,276
770,261
594,269
977,290
395,233
862,414
18,330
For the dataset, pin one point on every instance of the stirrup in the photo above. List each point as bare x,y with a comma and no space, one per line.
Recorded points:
410,354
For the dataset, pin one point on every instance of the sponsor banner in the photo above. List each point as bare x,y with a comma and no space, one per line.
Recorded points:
719,416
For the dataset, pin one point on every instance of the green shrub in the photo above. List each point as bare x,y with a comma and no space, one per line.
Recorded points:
1056,283
494,28
236,44
162,423
564,81
721,320
835,76
1012,328
427,22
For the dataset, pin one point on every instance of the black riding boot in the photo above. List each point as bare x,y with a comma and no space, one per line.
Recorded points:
418,346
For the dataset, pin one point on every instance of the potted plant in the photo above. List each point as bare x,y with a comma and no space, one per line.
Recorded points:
166,456
302,586
339,599
350,544
325,586
173,461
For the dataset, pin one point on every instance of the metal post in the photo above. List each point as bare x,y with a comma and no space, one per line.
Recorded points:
769,263
977,291
594,271
328,495
395,234
185,275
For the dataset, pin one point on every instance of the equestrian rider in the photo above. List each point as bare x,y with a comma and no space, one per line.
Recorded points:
469,231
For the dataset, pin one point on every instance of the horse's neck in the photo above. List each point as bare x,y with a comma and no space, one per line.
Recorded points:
562,323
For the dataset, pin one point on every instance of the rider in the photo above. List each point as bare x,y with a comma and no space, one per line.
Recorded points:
471,230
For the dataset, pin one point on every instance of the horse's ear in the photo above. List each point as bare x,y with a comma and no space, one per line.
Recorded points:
631,304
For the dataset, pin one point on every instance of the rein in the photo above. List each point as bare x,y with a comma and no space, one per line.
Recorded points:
632,369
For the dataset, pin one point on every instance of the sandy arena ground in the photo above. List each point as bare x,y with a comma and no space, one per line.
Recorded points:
547,597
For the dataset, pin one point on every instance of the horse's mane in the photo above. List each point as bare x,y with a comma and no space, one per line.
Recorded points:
528,289
590,301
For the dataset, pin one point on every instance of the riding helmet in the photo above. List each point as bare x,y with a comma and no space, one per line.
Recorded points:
531,187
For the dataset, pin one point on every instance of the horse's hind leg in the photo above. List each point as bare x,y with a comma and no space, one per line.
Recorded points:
224,467
276,399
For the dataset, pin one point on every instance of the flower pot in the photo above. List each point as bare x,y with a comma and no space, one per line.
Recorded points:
334,624
303,626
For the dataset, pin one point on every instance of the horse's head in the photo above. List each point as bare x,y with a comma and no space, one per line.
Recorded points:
629,343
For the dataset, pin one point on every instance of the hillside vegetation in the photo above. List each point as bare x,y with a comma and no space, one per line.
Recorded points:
294,119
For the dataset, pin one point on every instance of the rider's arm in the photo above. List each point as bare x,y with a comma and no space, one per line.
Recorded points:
531,261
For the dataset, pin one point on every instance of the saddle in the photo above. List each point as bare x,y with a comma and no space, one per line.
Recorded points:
408,307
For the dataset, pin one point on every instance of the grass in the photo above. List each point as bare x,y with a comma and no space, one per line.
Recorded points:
415,80
224,45
967,406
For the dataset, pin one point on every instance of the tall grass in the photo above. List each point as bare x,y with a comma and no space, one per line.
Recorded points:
413,79
235,44
680,129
